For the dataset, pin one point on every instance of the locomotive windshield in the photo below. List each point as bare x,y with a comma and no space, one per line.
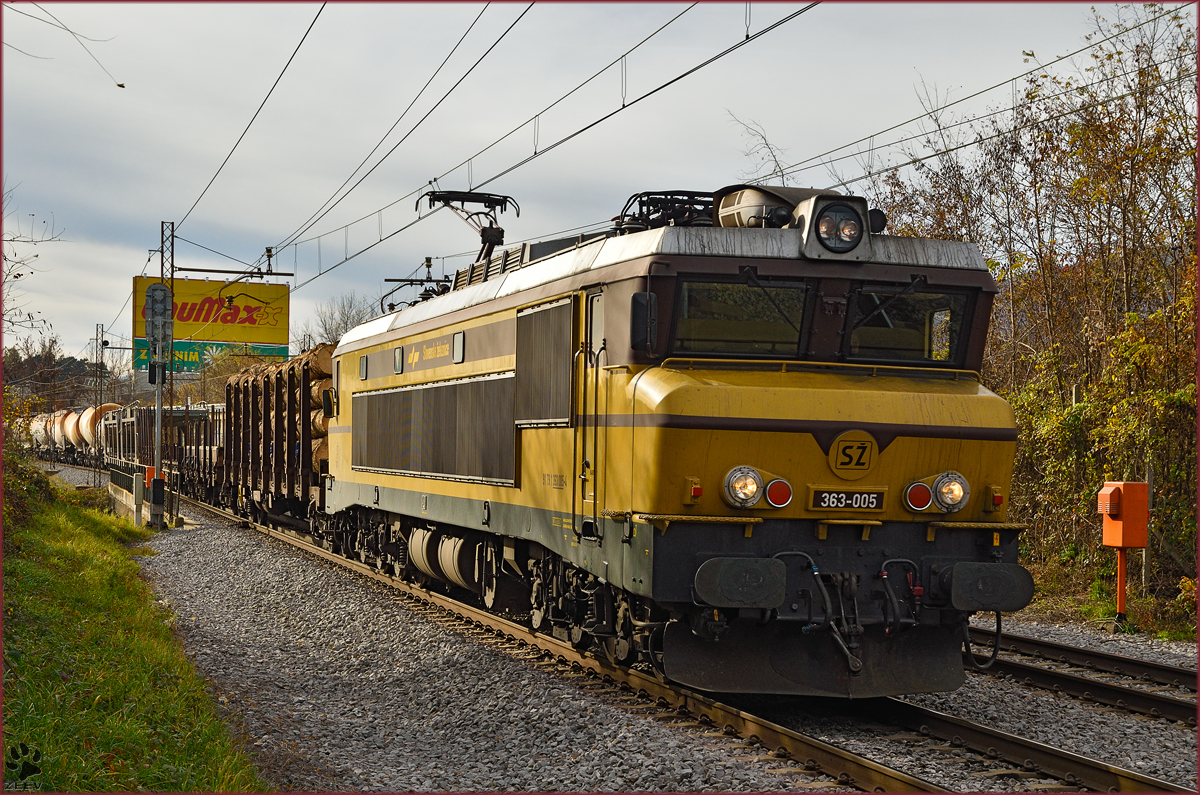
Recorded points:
889,323
755,317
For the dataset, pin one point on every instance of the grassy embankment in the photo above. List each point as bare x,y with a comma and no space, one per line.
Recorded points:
94,678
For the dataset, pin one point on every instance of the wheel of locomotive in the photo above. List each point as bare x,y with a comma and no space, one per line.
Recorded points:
538,608
620,648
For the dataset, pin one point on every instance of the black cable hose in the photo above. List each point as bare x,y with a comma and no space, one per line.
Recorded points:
995,646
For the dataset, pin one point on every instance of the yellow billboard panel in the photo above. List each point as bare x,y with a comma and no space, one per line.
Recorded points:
202,311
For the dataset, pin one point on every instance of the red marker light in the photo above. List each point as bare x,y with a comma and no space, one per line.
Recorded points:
779,493
697,491
997,499
918,496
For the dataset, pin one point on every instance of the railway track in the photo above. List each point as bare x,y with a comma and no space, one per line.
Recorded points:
1099,661
1089,688
798,751
1080,679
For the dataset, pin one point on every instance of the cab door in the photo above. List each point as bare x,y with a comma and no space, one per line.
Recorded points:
591,434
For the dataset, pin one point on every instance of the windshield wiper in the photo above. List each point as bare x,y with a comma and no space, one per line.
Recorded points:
752,279
888,302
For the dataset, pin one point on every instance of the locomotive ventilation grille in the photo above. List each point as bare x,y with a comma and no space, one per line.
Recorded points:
462,429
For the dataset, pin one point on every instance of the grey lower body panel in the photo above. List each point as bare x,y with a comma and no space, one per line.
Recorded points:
777,658
624,561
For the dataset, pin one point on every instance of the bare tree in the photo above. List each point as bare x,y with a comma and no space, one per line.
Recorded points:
335,317
19,256
766,156
36,368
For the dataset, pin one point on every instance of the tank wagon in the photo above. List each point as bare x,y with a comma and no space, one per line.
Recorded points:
68,435
740,437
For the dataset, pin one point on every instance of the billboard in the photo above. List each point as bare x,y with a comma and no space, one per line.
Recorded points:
205,320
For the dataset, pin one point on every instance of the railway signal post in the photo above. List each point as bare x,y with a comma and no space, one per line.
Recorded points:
159,331
1126,510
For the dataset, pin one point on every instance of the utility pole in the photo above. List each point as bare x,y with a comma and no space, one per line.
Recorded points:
99,364
167,265
99,343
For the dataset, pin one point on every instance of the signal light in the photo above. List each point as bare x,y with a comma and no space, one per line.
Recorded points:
779,493
918,496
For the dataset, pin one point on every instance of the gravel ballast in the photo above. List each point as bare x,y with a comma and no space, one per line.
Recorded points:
338,685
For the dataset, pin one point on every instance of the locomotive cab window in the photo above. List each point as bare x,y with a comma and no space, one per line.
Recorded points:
754,317
893,323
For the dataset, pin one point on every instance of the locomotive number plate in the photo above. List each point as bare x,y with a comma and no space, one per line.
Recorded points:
843,500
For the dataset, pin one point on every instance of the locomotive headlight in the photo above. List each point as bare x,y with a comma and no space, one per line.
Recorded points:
839,228
950,491
743,487
848,230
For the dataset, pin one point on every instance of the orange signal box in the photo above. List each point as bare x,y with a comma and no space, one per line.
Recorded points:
1126,510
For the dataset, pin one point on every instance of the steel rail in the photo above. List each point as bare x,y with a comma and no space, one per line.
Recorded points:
814,755
1088,689
1087,658
1031,755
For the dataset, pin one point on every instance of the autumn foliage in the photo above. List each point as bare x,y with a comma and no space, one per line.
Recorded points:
1082,198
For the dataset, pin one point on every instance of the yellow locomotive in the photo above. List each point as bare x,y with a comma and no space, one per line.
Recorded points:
739,437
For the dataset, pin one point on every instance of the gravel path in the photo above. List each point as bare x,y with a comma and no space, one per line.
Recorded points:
76,476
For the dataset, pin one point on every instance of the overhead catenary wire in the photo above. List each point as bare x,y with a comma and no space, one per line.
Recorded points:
1004,133
916,136
796,166
572,135
653,91
313,218
212,250
936,154
252,118
534,119
428,113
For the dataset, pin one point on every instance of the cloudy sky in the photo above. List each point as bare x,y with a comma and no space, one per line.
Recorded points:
103,166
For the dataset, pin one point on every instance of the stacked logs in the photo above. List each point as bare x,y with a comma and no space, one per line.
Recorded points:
263,428
320,372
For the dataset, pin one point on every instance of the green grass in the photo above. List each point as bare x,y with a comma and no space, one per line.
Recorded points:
94,678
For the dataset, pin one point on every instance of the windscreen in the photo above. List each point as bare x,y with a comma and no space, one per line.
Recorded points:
754,317
891,323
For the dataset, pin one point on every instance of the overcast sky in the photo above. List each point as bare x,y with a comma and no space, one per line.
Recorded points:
105,165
